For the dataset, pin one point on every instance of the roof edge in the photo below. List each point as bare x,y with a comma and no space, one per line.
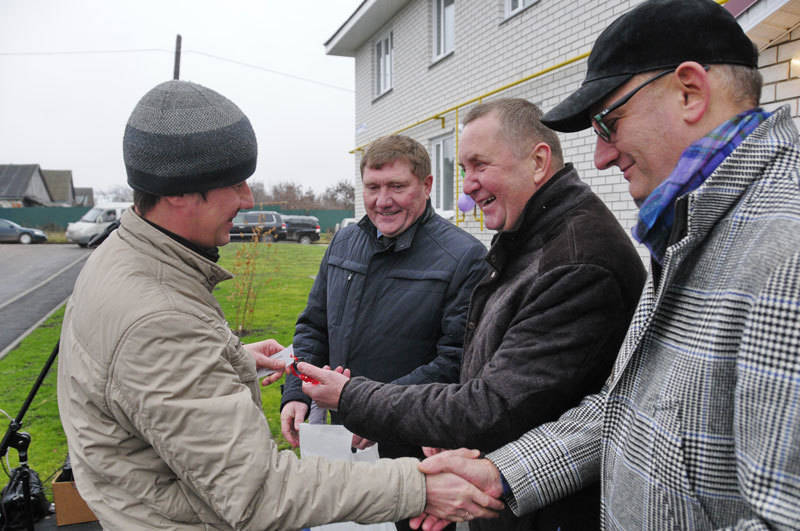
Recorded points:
364,22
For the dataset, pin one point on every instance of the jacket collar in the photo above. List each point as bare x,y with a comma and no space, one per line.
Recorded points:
723,189
698,212
212,253
404,240
152,242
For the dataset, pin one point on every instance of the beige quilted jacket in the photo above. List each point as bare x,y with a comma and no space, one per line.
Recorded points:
162,410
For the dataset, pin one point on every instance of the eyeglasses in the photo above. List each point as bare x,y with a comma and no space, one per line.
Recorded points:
600,127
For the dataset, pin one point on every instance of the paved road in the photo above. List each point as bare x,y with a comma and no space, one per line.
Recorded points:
34,281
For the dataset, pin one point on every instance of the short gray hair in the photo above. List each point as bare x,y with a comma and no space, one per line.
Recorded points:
521,125
743,83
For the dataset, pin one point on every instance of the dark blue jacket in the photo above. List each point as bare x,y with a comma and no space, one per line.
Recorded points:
391,310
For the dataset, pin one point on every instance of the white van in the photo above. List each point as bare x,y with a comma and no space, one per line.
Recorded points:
95,222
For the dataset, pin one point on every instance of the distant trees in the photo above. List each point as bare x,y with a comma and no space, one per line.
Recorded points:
340,195
259,193
294,196
117,193
285,194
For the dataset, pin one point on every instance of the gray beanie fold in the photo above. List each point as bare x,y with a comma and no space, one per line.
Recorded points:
201,182
182,137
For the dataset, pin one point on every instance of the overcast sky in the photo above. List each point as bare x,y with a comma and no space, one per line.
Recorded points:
68,80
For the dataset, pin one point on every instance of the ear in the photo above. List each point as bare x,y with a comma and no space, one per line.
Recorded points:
427,182
182,201
695,91
176,201
540,159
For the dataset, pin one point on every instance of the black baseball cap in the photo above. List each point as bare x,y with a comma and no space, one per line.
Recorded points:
655,35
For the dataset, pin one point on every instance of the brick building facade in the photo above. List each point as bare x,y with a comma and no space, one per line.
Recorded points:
421,64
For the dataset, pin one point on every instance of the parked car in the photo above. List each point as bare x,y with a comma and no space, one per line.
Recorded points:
303,229
266,224
12,232
345,222
95,222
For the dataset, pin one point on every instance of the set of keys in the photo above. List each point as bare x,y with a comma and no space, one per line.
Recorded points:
287,356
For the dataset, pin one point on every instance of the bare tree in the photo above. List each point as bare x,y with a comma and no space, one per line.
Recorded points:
293,196
340,195
119,194
259,192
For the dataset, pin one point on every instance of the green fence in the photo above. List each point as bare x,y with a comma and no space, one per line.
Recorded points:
56,218
53,218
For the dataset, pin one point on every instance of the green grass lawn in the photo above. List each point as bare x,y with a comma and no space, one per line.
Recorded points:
284,275
56,236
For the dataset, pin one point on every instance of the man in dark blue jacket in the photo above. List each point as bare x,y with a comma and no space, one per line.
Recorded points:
390,300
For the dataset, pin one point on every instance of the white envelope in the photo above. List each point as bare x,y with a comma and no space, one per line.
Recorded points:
333,442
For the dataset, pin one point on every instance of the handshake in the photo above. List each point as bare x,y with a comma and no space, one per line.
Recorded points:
460,486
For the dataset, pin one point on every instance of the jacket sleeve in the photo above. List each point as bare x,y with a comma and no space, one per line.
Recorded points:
310,341
555,459
446,365
766,412
569,324
185,399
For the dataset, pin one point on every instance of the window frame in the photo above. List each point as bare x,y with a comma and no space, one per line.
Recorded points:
510,12
439,35
382,85
437,150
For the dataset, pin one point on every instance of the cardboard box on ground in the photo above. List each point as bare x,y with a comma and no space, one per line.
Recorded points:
70,507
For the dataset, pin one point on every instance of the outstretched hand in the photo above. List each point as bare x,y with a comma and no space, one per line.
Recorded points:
294,413
481,474
261,352
451,497
327,392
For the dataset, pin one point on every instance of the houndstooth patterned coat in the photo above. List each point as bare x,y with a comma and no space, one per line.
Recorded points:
698,426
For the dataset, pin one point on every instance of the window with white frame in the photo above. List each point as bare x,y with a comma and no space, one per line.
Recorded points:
443,196
515,6
383,63
444,22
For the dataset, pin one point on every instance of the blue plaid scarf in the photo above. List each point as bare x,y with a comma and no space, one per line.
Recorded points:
697,162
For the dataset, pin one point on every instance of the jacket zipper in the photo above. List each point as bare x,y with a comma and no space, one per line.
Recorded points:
346,293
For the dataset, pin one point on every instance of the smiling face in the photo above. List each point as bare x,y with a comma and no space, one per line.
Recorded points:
212,218
644,144
498,181
394,197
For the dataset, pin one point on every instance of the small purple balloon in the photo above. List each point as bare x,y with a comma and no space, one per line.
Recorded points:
465,203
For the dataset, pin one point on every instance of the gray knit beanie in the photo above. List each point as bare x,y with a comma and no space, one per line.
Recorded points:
183,137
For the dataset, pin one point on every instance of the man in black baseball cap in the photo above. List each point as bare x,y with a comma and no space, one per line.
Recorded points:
655,36
697,427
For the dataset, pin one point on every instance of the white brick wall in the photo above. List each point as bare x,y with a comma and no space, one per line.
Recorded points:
781,82
490,52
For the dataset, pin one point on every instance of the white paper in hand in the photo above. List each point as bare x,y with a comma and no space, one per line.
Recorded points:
286,355
333,442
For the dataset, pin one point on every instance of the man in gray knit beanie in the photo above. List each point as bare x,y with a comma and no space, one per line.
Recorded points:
159,400
183,137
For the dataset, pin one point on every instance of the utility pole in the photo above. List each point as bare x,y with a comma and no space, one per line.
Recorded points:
177,71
